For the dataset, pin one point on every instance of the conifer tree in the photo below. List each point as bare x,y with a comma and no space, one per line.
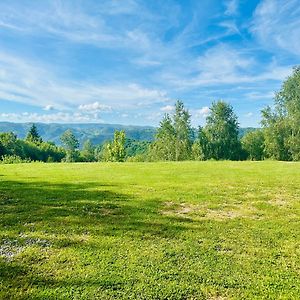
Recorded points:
33,135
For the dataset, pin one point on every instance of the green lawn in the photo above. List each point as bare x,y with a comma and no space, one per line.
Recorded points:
192,230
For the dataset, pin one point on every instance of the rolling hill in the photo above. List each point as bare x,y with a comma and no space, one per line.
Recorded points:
97,133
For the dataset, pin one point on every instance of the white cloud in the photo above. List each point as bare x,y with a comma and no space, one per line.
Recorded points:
59,117
75,23
230,26
94,107
259,95
58,19
249,114
202,112
167,108
224,65
48,107
231,7
276,24
26,82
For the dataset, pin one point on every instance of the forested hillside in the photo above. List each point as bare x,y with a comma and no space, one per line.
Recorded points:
96,133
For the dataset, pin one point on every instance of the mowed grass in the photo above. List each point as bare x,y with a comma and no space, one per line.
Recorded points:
191,230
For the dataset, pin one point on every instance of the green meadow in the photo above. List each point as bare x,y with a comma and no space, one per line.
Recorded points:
181,230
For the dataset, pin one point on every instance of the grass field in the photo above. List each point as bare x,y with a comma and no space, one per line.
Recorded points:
207,230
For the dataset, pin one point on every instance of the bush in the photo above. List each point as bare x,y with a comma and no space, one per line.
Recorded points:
13,159
137,158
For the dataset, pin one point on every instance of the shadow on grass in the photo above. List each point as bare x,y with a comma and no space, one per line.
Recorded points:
64,214
80,208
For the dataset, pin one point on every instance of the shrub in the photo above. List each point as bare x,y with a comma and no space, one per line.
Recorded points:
13,159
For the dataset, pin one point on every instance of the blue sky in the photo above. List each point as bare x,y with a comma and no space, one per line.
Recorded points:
127,61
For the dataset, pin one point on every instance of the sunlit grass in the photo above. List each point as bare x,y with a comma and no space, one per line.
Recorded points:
207,230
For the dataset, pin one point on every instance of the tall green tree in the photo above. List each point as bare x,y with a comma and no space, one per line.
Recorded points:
10,143
200,146
281,124
183,132
253,143
2,150
115,150
33,135
88,151
222,131
173,140
71,144
163,147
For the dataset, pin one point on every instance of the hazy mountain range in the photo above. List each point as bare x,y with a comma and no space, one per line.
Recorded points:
97,133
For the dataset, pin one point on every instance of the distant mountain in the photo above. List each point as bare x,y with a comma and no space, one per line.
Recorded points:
97,133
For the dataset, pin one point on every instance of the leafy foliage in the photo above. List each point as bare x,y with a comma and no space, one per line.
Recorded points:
71,144
173,140
183,132
13,159
222,132
163,147
281,124
88,152
115,150
253,143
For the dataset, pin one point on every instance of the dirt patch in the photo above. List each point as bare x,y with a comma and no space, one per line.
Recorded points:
278,202
222,214
203,211
179,209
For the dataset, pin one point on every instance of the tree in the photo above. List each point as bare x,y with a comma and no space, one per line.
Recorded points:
183,132
2,150
33,135
115,150
71,144
173,140
10,144
163,146
253,144
199,148
88,151
281,124
221,131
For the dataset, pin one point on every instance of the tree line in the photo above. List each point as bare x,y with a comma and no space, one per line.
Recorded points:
176,140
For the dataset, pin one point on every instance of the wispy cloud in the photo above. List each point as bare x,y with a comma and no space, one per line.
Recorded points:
69,21
276,24
94,107
59,117
231,7
167,108
25,82
225,65
203,112
130,59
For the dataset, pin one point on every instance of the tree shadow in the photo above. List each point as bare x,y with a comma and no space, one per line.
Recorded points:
79,208
73,215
